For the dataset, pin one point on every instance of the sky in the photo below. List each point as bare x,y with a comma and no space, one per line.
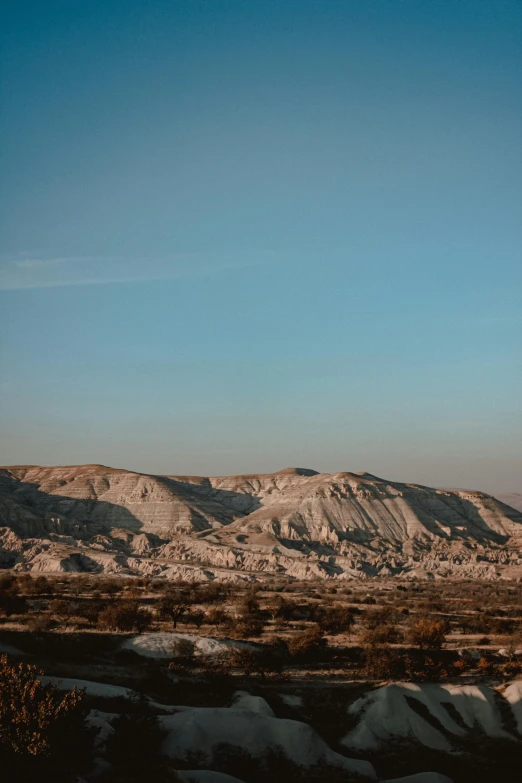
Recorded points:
239,236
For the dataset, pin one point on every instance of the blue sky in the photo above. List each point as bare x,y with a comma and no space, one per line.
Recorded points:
238,236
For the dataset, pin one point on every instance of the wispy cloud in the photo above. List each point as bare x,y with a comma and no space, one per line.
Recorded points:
30,272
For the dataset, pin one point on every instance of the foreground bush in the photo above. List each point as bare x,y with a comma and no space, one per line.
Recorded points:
133,750
43,733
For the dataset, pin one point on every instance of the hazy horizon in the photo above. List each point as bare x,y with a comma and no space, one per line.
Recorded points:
239,237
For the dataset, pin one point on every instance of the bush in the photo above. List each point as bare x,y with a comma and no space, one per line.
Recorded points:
172,608
34,586
183,651
246,627
428,634
11,602
248,605
125,616
374,618
334,620
308,644
281,608
196,618
40,623
43,734
269,659
216,617
383,663
133,750
63,610
385,634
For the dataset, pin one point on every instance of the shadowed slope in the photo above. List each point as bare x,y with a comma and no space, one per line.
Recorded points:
294,521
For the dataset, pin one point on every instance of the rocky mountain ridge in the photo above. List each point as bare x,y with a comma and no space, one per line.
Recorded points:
295,522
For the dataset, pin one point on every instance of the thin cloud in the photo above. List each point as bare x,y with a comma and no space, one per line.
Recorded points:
34,273
45,263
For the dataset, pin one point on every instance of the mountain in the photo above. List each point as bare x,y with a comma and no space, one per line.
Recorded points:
295,522
513,499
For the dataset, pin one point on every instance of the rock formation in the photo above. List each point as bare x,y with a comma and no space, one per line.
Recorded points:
295,522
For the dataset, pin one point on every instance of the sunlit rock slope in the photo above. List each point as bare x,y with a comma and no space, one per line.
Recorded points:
295,522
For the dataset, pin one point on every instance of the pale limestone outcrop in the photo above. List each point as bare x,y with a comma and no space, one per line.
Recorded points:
296,522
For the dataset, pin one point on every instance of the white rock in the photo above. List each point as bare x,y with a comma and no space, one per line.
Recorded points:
385,714
202,730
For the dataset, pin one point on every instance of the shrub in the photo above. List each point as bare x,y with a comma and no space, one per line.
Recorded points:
133,750
212,592
11,602
40,623
125,616
485,667
384,634
63,610
374,618
424,668
248,605
383,663
216,617
335,619
43,734
269,659
427,634
308,644
281,608
246,627
34,586
183,651
195,618
172,608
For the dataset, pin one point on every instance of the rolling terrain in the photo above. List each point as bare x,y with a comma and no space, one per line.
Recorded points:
295,522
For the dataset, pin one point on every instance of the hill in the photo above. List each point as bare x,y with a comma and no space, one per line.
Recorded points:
294,522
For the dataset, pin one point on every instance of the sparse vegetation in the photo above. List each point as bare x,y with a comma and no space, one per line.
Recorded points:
43,731
371,633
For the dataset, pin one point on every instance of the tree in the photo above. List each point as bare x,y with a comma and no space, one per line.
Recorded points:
308,643
173,609
216,617
280,608
34,586
374,618
196,618
383,662
265,660
335,619
43,733
11,602
248,604
427,634
246,627
133,748
62,609
385,634
125,616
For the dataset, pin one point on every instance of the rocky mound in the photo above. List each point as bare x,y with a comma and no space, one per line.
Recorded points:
296,522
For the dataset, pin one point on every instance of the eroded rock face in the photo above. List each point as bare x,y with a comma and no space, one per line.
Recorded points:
435,716
296,522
